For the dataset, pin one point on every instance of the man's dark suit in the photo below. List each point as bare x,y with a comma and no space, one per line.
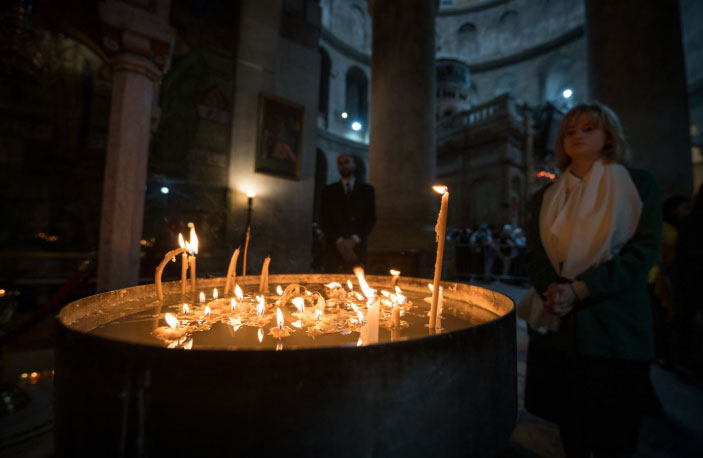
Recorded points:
342,216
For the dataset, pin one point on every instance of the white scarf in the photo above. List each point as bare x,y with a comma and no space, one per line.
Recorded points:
583,223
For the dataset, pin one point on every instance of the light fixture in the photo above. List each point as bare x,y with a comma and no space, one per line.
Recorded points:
567,93
344,115
164,190
356,125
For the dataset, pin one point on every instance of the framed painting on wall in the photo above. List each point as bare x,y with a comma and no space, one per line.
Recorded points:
280,137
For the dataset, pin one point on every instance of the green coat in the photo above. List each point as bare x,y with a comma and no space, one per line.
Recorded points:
615,321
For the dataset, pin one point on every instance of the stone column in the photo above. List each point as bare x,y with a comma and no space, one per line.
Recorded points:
138,42
636,66
402,145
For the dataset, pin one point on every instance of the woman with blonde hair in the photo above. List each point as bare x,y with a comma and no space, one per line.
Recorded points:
593,234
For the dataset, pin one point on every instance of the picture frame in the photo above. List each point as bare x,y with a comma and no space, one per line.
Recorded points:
279,137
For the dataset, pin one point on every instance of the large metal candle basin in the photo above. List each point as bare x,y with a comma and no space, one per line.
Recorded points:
443,395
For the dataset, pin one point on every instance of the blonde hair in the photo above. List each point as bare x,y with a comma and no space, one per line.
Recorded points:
615,148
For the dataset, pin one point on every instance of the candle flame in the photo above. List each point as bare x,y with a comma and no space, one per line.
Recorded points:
193,244
368,292
430,286
232,303
188,345
186,310
202,297
385,293
361,317
440,189
318,314
308,293
279,346
395,273
298,324
279,290
333,285
251,193
171,320
261,307
350,286
279,318
261,335
398,291
354,307
299,303
214,293
207,310
359,295
238,293
359,342
181,242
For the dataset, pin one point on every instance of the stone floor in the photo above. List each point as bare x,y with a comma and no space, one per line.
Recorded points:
677,433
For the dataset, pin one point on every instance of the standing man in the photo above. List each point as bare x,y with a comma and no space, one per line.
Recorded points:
347,216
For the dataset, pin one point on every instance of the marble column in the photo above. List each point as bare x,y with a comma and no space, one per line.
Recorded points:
125,172
138,42
636,66
402,142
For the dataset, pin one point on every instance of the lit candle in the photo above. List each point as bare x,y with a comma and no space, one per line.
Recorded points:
396,316
171,255
299,303
279,331
202,297
261,306
231,272
395,276
264,279
184,265
370,331
441,231
186,310
214,294
172,331
246,248
193,249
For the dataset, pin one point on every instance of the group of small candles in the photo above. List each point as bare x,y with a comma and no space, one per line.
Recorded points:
339,310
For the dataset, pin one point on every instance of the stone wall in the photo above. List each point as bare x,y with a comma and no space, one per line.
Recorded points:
288,67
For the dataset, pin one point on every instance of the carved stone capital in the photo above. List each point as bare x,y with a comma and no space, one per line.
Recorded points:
139,28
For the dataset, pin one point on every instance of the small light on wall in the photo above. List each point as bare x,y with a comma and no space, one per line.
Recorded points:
164,190
567,93
251,194
344,115
356,125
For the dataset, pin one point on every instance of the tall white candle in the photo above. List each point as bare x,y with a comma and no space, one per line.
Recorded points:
441,230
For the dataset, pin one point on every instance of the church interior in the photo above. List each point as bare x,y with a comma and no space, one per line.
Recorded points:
124,123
